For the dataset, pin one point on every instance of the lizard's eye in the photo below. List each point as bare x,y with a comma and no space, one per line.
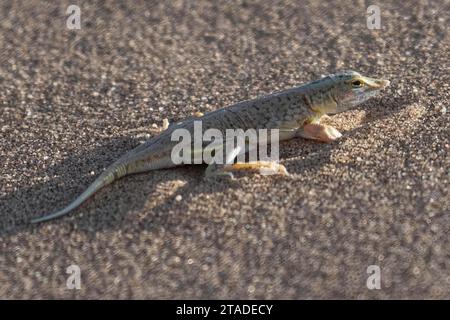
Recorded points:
357,83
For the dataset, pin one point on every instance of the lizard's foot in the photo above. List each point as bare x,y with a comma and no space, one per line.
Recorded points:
321,132
262,167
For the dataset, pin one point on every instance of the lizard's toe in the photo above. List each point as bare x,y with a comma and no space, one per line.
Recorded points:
332,133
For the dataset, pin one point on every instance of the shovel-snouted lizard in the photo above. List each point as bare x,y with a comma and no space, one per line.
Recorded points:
296,112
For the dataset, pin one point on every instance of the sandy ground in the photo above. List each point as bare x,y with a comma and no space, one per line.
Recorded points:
73,101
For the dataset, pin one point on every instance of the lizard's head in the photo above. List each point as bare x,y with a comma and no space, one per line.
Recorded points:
344,90
351,89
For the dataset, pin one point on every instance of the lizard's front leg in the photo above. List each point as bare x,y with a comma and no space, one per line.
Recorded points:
318,131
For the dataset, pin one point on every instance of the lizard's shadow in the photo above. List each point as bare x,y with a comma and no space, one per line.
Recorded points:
68,179
110,206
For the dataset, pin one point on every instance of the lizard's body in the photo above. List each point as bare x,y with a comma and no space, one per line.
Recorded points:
295,112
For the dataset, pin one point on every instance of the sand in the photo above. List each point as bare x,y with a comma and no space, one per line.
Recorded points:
73,101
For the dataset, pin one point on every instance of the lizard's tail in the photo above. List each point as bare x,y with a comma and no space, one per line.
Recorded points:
115,172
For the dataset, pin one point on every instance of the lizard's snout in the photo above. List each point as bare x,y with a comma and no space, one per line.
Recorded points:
383,83
377,84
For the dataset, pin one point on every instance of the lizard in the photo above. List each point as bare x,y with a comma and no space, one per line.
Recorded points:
296,112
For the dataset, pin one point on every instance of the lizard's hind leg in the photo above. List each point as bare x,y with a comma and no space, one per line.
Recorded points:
262,167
